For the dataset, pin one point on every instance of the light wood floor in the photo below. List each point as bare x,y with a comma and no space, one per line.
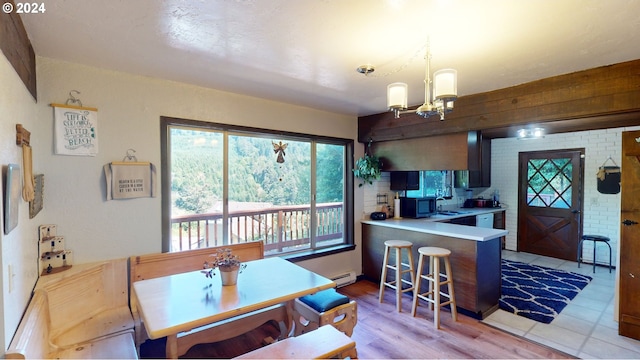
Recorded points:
382,333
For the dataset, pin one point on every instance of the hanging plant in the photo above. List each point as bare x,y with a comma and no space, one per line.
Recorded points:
367,168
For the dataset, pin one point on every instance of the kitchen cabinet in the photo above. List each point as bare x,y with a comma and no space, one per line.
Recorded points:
499,222
478,173
445,152
462,151
466,220
405,180
479,153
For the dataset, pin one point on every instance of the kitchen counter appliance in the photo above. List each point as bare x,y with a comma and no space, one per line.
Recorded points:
422,207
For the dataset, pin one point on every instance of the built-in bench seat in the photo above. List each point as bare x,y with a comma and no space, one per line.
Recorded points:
162,264
33,341
89,303
326,342
80,313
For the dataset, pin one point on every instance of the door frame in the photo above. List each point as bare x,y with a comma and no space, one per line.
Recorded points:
579,207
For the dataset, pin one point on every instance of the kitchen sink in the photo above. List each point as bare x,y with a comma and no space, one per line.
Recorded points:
452,212
448,213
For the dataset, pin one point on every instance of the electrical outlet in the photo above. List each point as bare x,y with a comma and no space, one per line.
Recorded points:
47,231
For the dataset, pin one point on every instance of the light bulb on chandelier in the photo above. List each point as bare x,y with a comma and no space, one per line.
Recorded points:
438,102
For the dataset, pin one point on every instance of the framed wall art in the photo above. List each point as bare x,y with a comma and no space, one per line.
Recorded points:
75,130
12,194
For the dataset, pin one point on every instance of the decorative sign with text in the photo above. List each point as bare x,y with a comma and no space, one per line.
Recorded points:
76,130
130,180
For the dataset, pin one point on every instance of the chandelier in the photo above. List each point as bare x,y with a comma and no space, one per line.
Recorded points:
436,102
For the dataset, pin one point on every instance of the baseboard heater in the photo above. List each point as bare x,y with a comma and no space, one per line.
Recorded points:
344,278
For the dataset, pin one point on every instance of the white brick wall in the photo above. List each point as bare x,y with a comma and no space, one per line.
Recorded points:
371,192
601,211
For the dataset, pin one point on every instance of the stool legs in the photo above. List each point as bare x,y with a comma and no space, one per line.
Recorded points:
398,268
452,297
595,242
383,276
434,294
398,280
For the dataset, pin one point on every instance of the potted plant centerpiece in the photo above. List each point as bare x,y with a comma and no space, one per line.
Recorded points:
229,265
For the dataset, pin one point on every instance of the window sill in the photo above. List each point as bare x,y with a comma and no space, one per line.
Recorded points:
312,254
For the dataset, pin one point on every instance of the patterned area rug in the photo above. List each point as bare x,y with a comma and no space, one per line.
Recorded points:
538,292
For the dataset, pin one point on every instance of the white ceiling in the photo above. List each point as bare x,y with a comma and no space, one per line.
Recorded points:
306,52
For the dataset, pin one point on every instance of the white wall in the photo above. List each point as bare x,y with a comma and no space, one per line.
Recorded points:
601,211
19,247
129,110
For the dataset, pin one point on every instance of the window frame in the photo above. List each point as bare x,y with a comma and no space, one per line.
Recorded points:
165,178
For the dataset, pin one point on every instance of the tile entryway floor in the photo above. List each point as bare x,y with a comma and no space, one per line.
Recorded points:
585,328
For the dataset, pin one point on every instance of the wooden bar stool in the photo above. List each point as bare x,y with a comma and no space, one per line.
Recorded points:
399,268
433,276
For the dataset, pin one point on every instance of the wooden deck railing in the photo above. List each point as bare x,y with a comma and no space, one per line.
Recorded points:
283,228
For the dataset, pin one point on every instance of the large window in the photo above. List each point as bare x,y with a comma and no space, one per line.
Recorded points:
225,184
436,183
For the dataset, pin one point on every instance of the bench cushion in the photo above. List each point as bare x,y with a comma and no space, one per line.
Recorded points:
325,300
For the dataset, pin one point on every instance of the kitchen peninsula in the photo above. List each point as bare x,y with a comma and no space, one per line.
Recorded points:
475,255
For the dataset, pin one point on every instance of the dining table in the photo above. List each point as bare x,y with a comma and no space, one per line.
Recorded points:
173,306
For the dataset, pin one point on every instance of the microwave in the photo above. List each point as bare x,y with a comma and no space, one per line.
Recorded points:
417,207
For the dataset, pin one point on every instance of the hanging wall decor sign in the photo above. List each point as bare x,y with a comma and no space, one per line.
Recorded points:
130,178
609,178
76,130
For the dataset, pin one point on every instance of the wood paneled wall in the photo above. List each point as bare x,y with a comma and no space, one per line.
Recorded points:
446,152
604,97
16,46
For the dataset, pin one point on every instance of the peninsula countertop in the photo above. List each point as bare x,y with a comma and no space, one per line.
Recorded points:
435,225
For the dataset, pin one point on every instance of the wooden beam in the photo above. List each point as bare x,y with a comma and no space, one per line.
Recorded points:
15,44
566,102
